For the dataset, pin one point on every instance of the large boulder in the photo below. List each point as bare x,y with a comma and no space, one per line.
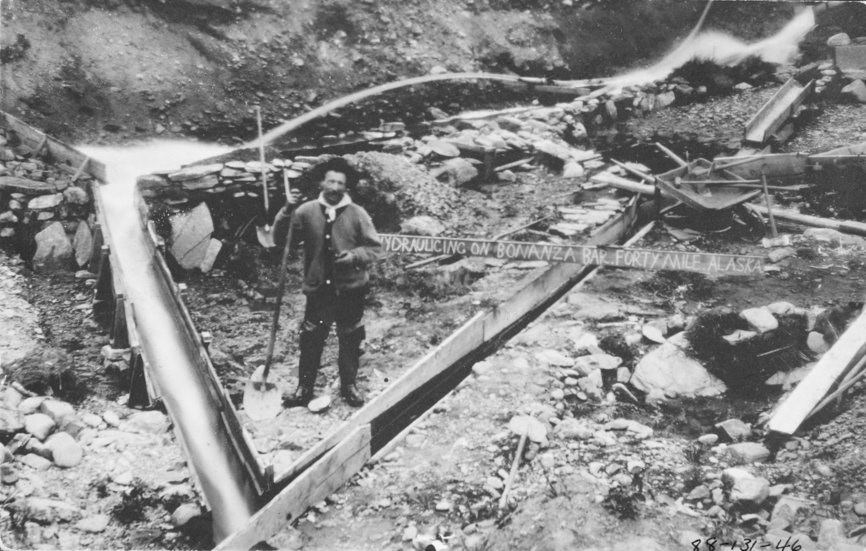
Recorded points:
856,91
82,243
190,236
53,249
667,369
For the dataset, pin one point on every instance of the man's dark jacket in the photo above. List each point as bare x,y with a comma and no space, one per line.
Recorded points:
352,231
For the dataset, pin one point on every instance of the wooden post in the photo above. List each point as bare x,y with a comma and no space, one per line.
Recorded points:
769,206
489,163
119,335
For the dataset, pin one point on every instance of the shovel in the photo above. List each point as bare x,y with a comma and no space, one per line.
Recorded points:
264,234
263,399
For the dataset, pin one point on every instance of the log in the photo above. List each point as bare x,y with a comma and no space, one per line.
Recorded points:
622,183
844,226
844,354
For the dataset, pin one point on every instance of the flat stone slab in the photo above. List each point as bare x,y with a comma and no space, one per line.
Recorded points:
851,60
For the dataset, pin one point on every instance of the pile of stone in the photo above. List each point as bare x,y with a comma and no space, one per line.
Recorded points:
43,211
848,67
50,447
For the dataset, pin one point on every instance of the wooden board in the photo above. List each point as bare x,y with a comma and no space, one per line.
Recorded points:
771,164
641,259
850,347
66,156
328,474
777,111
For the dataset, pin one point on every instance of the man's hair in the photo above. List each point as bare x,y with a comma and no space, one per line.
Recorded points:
336,164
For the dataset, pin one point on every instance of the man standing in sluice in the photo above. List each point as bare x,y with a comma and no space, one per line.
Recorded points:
339,243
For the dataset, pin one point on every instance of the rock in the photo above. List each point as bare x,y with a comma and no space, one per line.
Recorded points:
444,148
855,90
785,511
190,236
47,511
94,524
777,255
460,171
10,421
740,336
148,422
708,439
53,249
573,169
39,425
92,420
43,202
58,410
655,331
781,308
735,430
745,487
184,513
422,225
111,419
667,369
761,319
76,196
8,474
604,438
698,493
839,39
572,429
832,237
860,508
210,255
554,358
816,343
831,534
748,452
742,86
587,364
35,462
65,450
319,404
82,243
530,426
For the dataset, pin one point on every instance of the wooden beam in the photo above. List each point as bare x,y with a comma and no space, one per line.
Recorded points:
845,353
777,111
844,226
625,184
328,474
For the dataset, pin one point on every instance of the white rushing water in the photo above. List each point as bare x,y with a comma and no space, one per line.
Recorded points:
725,49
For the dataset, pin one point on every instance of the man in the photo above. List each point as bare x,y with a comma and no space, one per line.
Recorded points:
339,243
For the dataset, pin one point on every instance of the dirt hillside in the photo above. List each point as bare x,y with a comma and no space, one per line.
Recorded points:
123,69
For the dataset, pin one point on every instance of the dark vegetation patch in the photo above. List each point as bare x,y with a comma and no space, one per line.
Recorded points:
671,286
745,366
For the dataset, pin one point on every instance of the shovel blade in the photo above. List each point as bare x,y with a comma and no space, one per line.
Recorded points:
265,236
262,399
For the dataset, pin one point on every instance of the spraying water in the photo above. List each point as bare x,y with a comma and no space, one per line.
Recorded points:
724,49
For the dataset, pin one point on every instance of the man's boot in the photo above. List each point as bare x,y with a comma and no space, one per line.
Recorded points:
348,361
311,344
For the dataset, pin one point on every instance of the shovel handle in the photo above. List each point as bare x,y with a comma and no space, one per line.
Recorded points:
503,501
262,159
281,287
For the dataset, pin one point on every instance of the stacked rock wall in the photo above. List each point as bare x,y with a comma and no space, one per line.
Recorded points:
46,214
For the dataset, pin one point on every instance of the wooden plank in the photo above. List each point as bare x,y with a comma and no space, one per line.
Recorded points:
65,155
624,184
844,226
773,165
850,347
642,259
776,112
316,483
